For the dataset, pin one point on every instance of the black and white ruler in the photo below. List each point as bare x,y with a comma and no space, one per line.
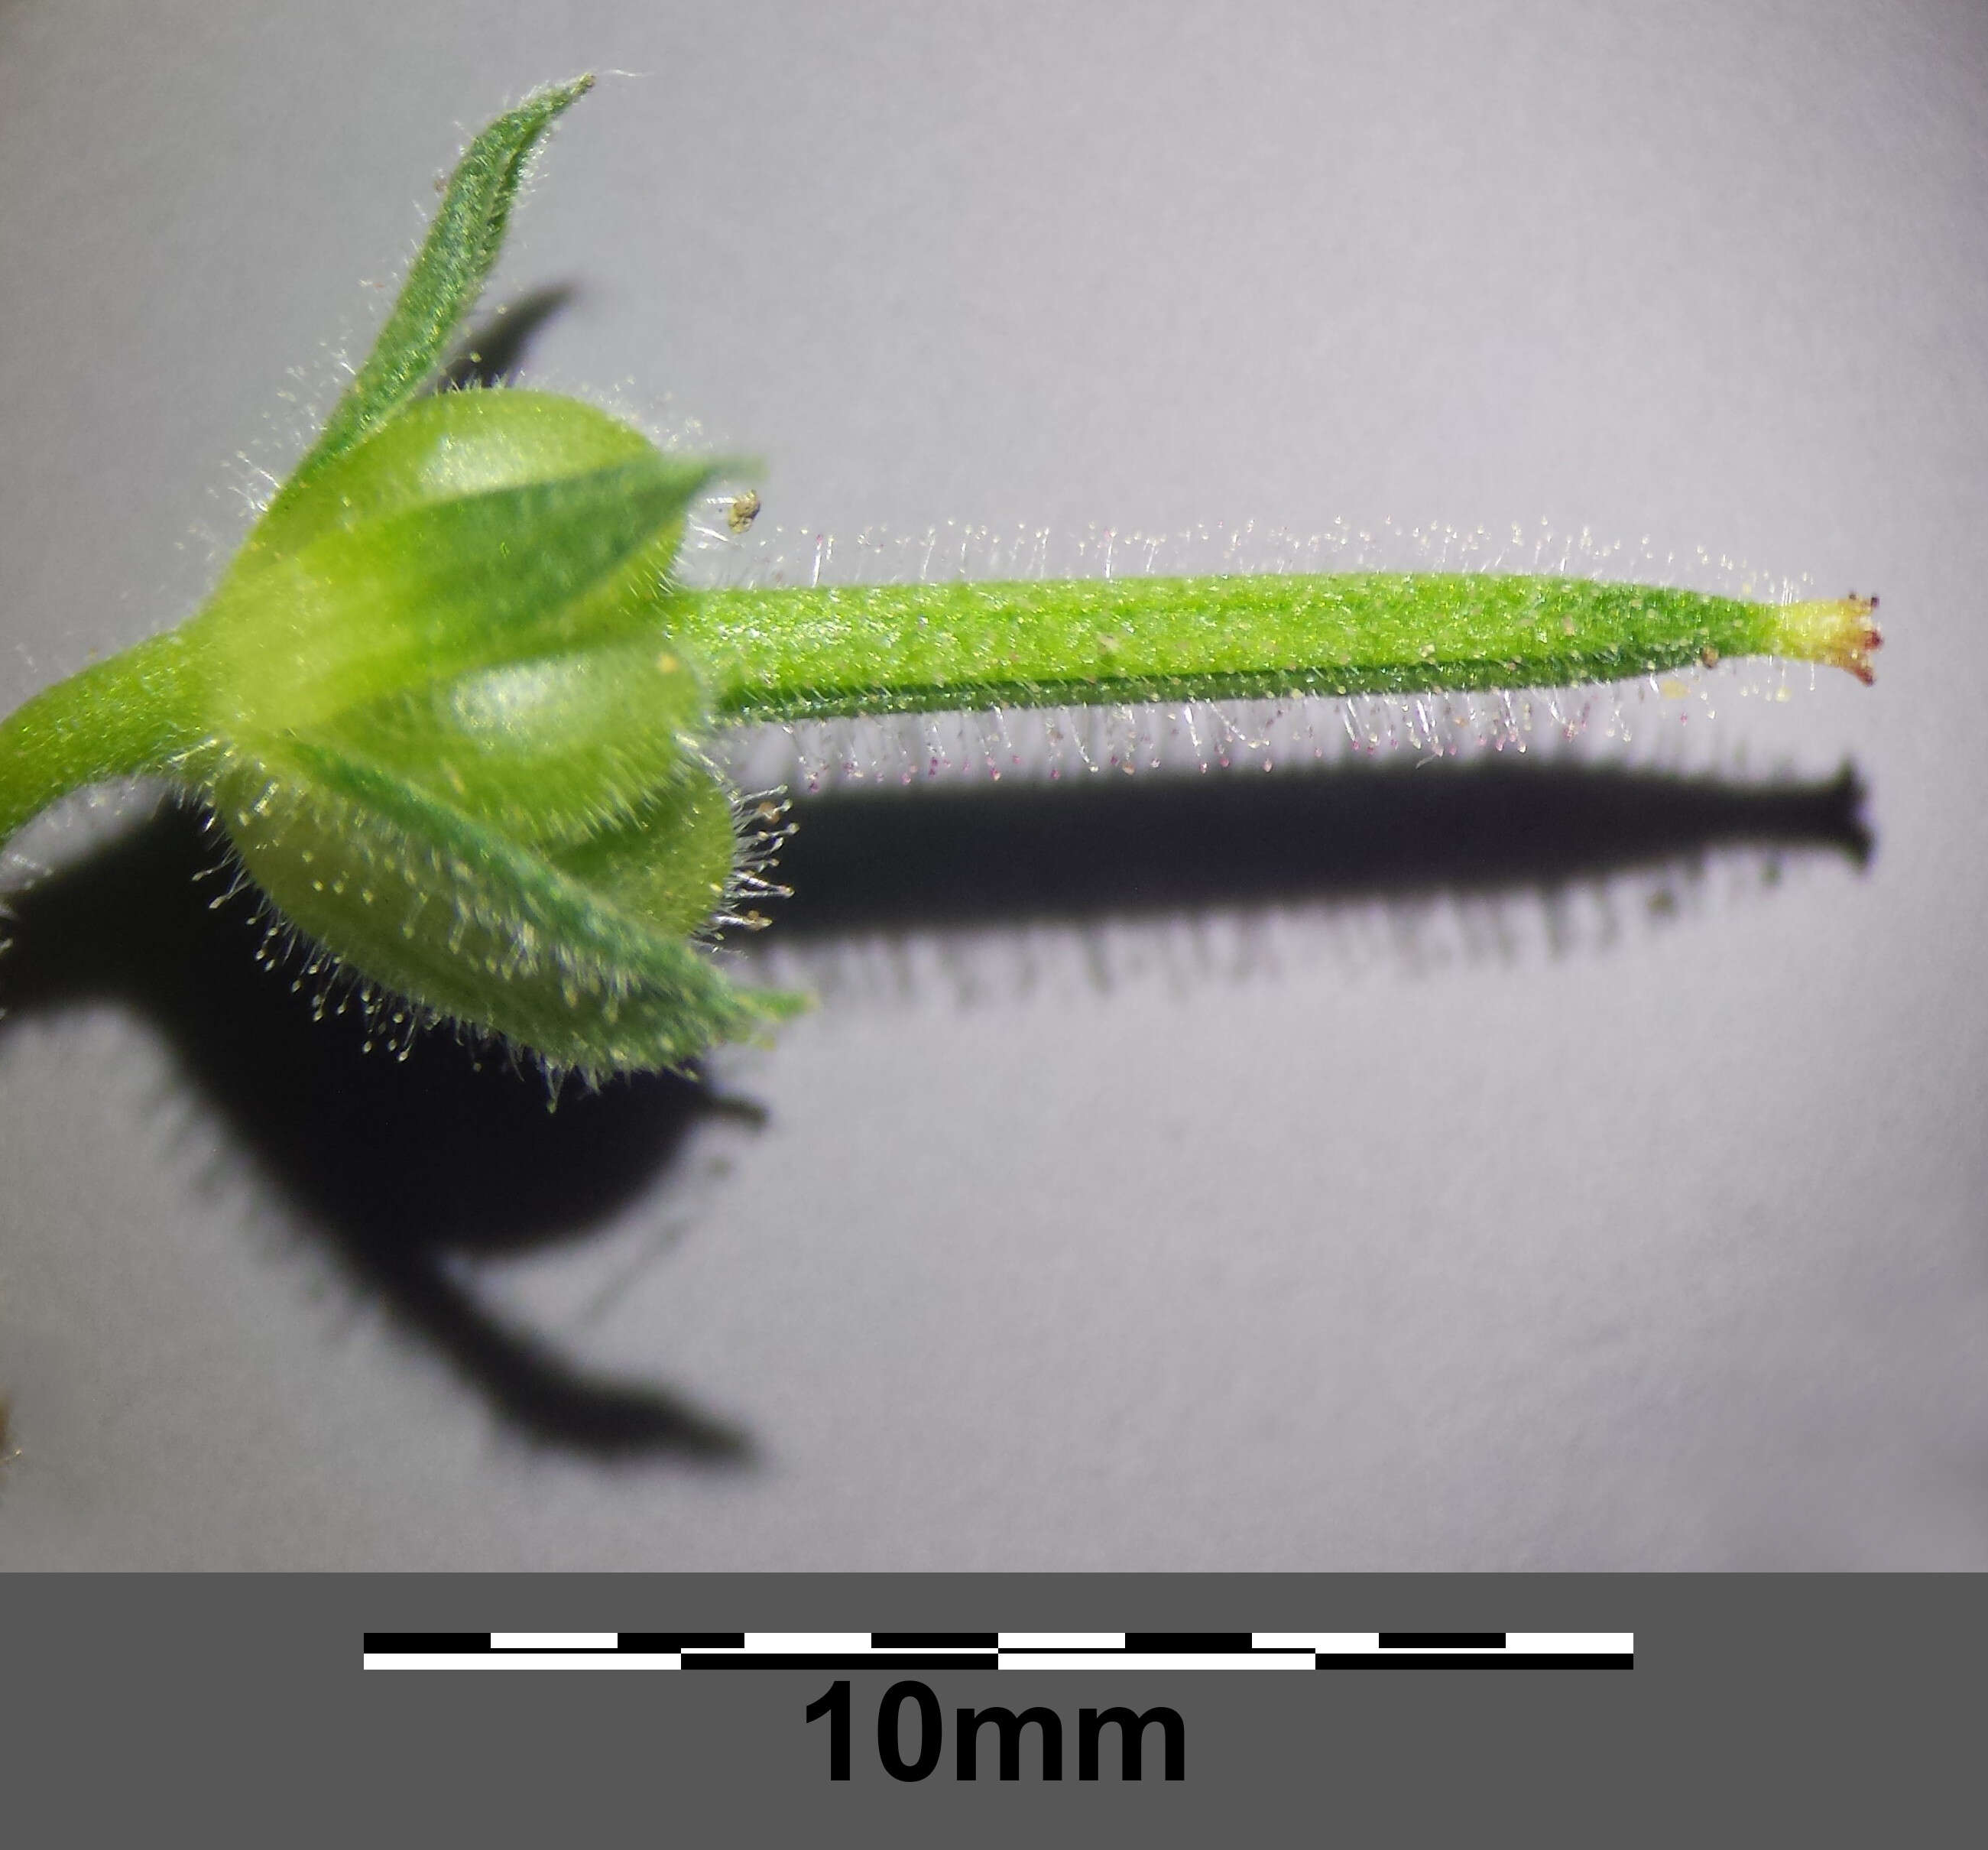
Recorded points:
999,1650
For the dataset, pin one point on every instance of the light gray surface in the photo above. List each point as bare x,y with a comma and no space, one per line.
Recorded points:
1261,1232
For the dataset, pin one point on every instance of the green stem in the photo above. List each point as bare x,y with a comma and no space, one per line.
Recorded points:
780,654
135,714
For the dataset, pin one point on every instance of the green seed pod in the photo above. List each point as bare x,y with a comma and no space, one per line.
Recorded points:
452,742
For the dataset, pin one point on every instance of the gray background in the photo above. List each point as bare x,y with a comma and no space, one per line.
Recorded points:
1478,1202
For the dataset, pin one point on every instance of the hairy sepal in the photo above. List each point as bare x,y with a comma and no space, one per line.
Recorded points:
673,859
442,448
366,612
447,275
416,895
549,750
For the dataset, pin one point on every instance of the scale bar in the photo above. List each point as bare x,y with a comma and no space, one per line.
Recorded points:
934,1651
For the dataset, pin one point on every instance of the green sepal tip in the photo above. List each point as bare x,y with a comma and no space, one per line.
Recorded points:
448,274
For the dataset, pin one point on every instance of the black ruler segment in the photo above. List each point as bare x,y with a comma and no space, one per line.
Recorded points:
1476,1660
1442,1641
933,1641
1186,1643
428,1644
841,1660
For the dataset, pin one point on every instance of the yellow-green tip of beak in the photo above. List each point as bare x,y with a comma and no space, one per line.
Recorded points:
1838,632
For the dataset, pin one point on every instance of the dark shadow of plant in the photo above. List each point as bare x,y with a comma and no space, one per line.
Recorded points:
494,350
413,1170
1120,848
416,1172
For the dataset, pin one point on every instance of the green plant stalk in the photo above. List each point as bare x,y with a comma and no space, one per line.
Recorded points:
787,653
791,653
131,716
